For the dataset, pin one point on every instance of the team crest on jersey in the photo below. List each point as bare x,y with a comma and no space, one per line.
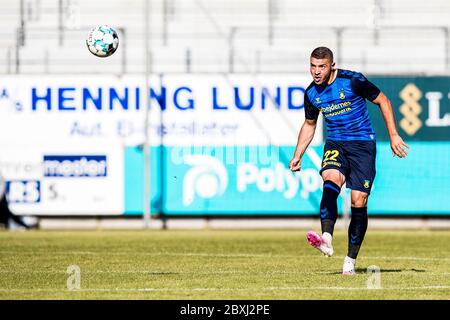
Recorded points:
318,99
366,184
342,95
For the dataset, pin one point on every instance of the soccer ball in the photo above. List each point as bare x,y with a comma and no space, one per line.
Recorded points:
102,41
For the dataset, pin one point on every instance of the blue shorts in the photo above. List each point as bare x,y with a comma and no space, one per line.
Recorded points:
354,159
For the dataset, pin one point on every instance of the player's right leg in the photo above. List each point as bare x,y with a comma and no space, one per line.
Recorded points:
334,168
333,181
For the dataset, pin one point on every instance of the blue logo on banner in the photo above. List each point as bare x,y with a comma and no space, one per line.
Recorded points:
75,166
23,191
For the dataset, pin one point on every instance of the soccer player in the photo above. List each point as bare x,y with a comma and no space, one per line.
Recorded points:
350,148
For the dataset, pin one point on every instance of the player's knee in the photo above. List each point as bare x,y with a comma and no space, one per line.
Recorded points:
334,176
360,199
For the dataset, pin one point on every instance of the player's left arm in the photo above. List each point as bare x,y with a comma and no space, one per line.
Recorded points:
398,146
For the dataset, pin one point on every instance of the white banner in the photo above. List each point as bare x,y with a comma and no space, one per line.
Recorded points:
63,137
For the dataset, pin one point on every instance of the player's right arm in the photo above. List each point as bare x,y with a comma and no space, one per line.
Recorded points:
304,139
306,134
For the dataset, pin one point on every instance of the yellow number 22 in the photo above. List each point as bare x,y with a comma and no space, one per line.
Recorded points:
331,155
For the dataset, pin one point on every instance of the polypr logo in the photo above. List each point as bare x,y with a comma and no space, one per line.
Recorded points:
75,166
207,178
278,179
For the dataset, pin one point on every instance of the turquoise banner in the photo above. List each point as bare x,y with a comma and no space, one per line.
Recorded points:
223,180
256,181
417,184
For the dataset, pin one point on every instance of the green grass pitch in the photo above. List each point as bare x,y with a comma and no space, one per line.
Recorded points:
220,264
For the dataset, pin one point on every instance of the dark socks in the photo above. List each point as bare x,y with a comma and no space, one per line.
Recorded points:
328,206
356,231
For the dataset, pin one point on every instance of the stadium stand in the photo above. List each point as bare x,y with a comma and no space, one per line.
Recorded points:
216,36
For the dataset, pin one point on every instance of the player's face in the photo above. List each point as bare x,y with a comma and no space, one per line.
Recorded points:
320,70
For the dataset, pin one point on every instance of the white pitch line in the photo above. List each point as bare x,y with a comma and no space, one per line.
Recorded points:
177,254
407,258
224,255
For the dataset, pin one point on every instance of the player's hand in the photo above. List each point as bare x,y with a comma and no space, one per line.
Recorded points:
295,164
398,147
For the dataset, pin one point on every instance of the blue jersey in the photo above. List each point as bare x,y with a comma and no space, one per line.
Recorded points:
343,105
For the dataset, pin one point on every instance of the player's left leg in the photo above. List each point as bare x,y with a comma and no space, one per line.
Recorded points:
356,230
361,156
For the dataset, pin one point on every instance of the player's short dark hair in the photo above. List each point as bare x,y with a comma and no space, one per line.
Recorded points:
322,53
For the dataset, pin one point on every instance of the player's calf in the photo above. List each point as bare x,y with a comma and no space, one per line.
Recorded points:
357,231
328,206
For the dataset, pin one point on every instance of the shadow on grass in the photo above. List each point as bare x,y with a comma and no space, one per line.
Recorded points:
161,273
364,271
